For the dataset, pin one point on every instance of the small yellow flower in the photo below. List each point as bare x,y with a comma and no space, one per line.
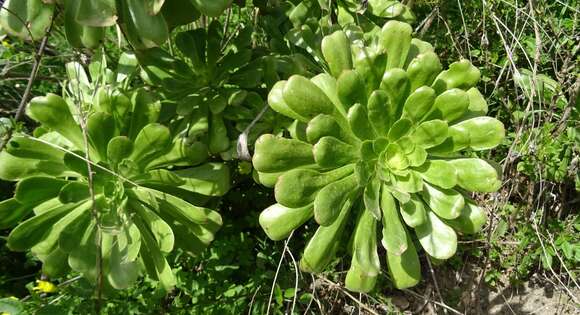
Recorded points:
45,287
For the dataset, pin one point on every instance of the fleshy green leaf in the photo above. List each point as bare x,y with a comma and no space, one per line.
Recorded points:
471,220
439,172
405,269
423,69
336,51
279,221
476,175
351,88
35,190
210,179
332,198
32,148
396,39
322,247
305,98
484,132
298,187
12,211
275,154
419,103
372,197
31,231
53,112
430,133
365,244
413,211
461,74
152,141
437,238
447,203
394,233
330,152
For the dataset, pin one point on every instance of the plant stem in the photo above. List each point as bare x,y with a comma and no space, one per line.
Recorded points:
35,67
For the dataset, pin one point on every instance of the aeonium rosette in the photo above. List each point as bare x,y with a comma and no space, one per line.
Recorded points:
139,192
376,153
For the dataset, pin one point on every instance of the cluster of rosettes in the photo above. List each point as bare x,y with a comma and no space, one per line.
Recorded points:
376,146
146,192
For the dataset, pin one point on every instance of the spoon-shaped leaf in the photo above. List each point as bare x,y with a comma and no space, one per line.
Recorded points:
447,203
279,221
378,112
365,243
419,103
332,198
461,74
32,231
476,175
396,39
31,148
336,52
484,132
423,70
437,238
322,247
12,211
305,98
471,220
298,187
372,197
430,133
53,112
450,105
359,122
405,269
330,152
209,179
413,211
351,88
35,190
152,141
275,154
394,233
439,172
278,104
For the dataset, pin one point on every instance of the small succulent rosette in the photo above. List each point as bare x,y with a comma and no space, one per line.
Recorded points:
216,85
376,152
142,192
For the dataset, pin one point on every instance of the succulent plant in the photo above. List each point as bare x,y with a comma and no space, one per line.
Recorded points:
145,23
377,152
216,84
147,190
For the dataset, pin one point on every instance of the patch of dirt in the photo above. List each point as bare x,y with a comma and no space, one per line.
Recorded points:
458,291
530,298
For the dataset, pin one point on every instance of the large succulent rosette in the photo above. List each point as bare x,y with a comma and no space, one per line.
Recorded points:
383,146
147,191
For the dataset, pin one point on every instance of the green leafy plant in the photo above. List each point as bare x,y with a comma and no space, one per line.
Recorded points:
216,88
123,181
145,23
378,142
303,23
